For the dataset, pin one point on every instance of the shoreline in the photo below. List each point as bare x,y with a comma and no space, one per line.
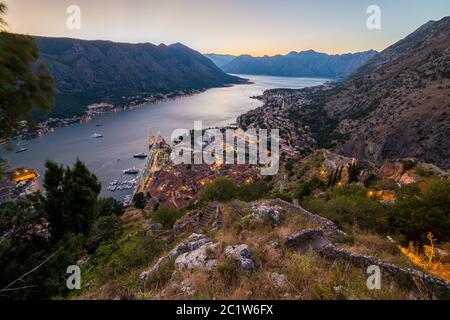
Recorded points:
51,124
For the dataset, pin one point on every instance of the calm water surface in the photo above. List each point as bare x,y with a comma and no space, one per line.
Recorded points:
125,133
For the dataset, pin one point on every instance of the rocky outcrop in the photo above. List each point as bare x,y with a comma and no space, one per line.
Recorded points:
198,259
242,254
264,212
194,242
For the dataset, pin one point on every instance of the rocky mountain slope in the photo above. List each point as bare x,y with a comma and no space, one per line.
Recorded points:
300,64
398,104
94,71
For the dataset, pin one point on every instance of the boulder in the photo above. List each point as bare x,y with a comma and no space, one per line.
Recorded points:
262,212
194,242
242,254
197,259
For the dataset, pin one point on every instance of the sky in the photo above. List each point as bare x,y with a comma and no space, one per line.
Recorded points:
256,27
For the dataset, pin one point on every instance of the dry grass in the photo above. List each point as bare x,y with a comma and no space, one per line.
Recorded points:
378,247
308,275
427,260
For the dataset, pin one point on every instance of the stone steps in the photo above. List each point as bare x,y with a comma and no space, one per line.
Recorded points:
207,216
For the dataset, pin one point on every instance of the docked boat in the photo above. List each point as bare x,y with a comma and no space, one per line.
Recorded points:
97,135
131,171
21,150
141,155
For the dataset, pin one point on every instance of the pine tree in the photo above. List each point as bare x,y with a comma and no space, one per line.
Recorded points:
72,198
139,201
339,175
24,84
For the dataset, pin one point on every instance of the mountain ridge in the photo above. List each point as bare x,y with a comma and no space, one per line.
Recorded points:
397,105
88,71
308,63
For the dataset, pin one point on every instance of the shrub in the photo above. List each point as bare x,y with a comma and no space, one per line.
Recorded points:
108,206
350,205
139,201
105,228
115,258
307,188
422,210
253,191
167,216
345,239
221,189
277,194
228,271
369,180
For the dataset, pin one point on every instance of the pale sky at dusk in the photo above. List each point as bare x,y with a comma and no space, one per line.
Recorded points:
256,27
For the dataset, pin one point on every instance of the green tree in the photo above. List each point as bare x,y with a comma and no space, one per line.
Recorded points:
25,84
353,172
139,201
221,189
72,198
107,206
307,188
105,228
420,210
2,13
253,191
167,216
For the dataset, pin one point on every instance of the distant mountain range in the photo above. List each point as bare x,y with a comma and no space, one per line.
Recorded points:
220,60
92,71
397,105
295,64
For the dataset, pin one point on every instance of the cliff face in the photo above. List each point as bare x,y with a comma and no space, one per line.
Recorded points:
90,71
300,64
398,104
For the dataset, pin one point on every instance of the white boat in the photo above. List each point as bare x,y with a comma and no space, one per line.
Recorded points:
141,155
131,171
21,150
97,135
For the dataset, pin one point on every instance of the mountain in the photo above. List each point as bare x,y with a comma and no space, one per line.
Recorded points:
94,71
300,64
220,60
398,104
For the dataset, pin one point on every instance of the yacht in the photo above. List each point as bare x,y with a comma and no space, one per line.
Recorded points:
141,155
21,150
131,171
96,136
